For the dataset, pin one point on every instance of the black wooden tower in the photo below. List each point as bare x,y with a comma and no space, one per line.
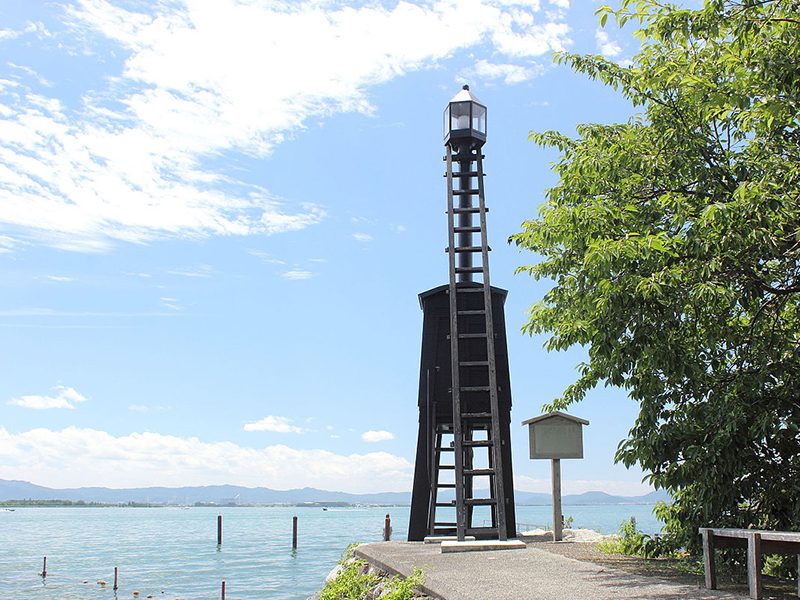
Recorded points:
462,479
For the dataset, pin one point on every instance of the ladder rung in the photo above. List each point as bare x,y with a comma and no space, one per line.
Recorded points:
465,192
476,388
479,501
469,249
480,530
446,449
474,363
466,230
446,485
447,467
472,335
472,312
478,472
445,504
464,174
469,269
480,415
470,210
445,524
476,443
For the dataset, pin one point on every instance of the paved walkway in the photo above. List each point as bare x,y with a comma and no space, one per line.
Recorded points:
529,574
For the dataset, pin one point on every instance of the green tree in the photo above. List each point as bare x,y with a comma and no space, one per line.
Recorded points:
672,241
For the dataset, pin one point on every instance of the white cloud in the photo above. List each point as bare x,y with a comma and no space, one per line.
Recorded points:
9,34
273,423
58,278
31,73
376,436
67,397
605,45
7,244
362,237
144,275
199,271
228,78
144,408
509,73
297,275
75,457
265,257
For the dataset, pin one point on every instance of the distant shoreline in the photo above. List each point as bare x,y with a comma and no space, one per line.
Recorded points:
334,505
232,495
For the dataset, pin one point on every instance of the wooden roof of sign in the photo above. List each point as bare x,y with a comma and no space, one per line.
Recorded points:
556,413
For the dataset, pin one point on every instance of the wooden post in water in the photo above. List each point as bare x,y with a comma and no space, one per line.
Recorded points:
44,568
219,530
387,529
294,533
115,578
223,590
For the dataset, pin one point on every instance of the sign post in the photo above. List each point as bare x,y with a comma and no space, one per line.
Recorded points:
556,435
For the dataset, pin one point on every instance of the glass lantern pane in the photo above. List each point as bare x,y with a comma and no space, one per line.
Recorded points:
479,118
459,115
446,121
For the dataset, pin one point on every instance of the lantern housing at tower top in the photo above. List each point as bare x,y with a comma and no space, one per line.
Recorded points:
465,117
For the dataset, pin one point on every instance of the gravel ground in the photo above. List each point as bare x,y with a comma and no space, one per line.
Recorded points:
663,568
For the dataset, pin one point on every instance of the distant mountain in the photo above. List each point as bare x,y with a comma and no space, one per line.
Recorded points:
589,498
220,494
223,494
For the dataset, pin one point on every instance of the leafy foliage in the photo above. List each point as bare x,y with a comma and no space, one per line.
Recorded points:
673,244
354,581
400,588
630,540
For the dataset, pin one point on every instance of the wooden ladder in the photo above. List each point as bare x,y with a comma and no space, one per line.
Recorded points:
474,377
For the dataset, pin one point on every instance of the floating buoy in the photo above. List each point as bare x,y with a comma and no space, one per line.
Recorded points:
85,581
149,595
135,592
101,582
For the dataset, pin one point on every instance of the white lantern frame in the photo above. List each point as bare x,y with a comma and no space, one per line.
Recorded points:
465,117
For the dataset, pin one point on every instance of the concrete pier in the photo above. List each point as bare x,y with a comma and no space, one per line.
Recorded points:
529,574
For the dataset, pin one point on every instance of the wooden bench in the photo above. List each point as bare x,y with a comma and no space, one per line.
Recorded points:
757,542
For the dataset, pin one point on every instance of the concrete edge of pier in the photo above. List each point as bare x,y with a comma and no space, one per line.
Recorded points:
528,574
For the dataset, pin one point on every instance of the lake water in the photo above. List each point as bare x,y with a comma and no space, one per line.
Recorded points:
173,553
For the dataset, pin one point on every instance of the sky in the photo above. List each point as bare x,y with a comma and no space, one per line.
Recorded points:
216,216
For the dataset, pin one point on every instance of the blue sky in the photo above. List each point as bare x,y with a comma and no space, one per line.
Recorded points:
216,216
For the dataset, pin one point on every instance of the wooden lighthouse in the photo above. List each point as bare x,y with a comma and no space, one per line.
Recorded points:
463,479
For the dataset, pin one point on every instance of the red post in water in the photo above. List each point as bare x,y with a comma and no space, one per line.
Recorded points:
115,578
223,590
387,529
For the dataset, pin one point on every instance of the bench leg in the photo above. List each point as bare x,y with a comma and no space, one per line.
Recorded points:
708,560
754,565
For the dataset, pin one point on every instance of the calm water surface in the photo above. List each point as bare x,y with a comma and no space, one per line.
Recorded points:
173,553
